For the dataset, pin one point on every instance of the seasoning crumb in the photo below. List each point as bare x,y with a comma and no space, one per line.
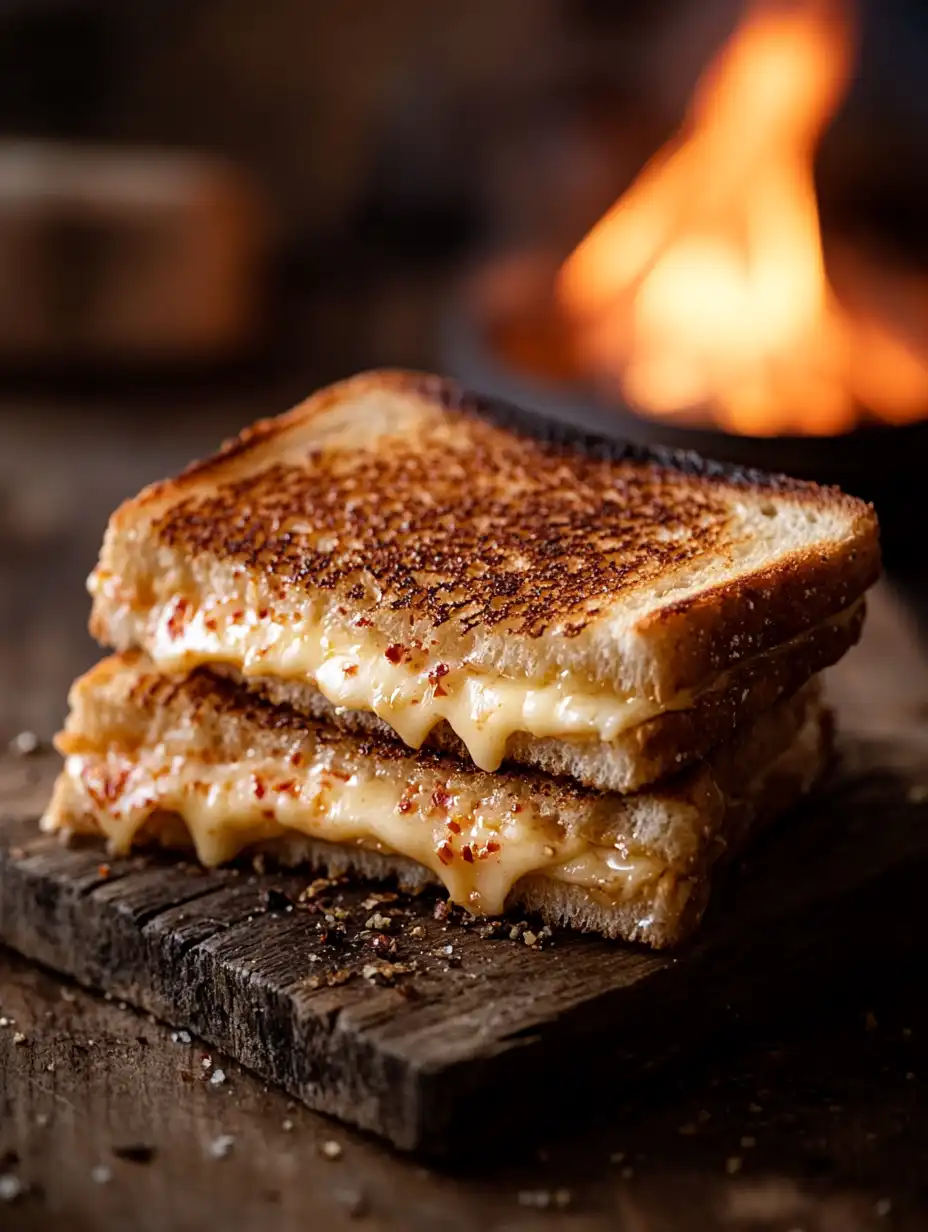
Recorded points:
24,744
882,1208
6,1022
259,863
286,1125
517,930
101,1174
538,1198
331,1149
19,1037
221,1147
50,1067
217,1077
380,923
418,931
529,938
353,1202
11,1187
733,1164
442,909
181,1037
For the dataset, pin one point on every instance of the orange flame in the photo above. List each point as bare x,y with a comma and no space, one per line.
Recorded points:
703,290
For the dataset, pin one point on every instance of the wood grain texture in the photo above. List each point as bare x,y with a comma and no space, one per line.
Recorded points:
494,1031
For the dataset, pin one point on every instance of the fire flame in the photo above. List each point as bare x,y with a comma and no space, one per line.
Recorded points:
703,292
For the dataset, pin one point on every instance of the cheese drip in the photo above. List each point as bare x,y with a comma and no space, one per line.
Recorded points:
405,686
478,847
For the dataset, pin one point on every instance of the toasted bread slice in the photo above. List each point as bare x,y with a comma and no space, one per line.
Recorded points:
202,759
639,755
423,555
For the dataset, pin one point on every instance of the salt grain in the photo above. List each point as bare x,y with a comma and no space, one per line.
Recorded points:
10,1187
101,1174
217,1077
331,1149
220,1147
24,743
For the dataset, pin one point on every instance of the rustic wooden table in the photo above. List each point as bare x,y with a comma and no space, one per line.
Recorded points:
817,1121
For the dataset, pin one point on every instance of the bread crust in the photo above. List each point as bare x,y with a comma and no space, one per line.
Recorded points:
521,547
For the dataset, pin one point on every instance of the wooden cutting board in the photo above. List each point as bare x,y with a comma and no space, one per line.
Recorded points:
458,1037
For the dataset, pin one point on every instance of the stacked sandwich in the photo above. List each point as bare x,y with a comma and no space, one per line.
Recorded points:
403,630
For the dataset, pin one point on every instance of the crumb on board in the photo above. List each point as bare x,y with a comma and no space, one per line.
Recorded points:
217,1077
543,1199
24,744
221,1147
330,1149
11,1187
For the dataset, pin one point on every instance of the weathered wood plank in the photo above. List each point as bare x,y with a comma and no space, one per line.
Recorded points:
234,957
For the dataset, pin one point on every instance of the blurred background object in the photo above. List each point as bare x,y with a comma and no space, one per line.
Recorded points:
207,210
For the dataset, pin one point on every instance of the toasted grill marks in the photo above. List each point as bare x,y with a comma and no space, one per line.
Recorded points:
468,523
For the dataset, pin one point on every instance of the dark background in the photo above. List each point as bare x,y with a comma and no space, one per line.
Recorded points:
383,149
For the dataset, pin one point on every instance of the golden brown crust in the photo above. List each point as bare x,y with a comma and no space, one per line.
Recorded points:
486,518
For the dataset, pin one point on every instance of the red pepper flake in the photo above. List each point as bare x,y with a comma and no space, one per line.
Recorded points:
350,669
260,787
445,853
103,870
342,775
454,827
467,854
177,617
263,613
438,672
288,787
491,848
362,622
396,652
296,759
517,808
211,624
267,814
238,615
404,805
441,798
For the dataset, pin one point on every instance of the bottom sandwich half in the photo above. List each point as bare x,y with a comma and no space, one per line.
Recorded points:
204,761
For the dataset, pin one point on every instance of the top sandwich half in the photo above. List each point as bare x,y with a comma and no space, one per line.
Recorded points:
395,551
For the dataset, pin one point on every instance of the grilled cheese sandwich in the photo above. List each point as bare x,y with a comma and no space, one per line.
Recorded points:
394,546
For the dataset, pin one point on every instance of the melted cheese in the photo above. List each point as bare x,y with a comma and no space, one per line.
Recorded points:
405,686
478,848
